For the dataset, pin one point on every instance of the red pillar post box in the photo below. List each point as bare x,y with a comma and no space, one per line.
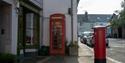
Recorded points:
99,44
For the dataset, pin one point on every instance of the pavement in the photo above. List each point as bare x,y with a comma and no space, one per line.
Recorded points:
85,55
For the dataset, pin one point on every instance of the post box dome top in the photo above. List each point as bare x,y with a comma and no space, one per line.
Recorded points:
99,26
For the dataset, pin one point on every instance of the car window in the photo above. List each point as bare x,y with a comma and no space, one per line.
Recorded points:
88,33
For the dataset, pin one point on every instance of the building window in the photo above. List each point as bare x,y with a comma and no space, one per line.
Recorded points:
32,29
29,28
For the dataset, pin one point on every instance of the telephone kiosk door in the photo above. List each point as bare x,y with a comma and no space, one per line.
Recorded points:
57,34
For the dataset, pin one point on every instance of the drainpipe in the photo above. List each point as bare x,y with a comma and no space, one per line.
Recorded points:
42,21
71,20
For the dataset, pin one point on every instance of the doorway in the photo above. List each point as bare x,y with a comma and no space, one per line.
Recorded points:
5,27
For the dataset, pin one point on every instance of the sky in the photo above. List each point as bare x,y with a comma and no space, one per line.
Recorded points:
99,6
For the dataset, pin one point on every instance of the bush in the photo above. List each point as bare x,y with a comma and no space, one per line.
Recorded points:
7,58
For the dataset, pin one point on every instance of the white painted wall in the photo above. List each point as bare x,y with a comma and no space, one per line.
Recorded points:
75,20
59,6
51,7
14,26
45,31
14,29
55,6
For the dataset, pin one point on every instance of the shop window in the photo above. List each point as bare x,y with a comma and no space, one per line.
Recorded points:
29,28
32,29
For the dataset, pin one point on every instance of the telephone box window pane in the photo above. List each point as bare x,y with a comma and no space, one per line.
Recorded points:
57,34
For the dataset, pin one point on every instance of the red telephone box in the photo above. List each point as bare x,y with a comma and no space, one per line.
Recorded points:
57,34
99,44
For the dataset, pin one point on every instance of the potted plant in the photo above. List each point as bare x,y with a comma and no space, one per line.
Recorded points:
73,48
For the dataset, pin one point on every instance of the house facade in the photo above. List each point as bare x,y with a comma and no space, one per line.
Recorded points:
29,26
24,25
20,25
66,7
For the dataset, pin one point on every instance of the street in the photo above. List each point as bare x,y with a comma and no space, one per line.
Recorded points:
116,50
115,54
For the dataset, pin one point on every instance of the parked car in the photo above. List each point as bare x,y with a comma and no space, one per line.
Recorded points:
87,37
107,42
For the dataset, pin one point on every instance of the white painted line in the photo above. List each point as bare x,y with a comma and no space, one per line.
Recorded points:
111,59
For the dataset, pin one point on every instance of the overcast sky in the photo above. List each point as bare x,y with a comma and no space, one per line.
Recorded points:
99,6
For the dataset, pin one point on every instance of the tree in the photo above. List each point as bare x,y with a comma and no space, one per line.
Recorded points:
122,18
123,4
119,21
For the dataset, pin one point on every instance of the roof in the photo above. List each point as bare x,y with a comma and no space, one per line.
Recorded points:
99,26
94,17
